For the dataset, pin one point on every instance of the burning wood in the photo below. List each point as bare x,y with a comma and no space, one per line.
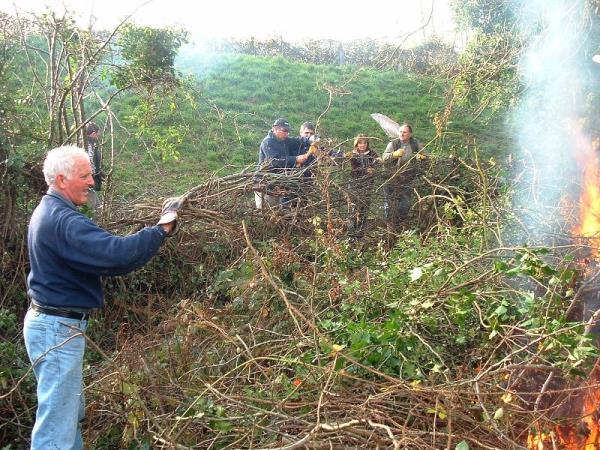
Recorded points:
579,427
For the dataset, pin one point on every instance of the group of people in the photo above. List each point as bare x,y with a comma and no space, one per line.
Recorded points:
281,154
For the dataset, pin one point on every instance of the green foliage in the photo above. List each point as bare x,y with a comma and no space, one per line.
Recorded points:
149,54
206,409
488,84
487,16
14,368
404,326
430,57
231,282
160,135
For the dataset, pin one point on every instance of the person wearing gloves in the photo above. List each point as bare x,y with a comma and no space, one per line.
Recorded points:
68,255
397,191
363,161
308,137
280,154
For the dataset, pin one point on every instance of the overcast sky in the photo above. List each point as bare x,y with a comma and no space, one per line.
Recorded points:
340,20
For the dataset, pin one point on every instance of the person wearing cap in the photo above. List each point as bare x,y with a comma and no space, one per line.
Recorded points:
68,255
280,154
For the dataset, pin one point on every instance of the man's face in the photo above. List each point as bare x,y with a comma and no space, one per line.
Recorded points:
307,132
77,184
281,133
405,134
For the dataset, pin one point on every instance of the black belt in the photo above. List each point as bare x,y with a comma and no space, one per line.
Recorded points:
61,312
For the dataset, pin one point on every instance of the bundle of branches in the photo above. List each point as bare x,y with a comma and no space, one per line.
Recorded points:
450,360
207,251
322,344
430,345
444,189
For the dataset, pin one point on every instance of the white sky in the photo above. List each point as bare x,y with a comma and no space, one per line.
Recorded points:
333,19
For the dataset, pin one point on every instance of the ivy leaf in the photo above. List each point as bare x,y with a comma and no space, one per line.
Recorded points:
499,413
427,304
416,273
462,445
500,310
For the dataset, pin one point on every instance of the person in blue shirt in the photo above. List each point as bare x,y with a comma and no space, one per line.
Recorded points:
280,154
68,253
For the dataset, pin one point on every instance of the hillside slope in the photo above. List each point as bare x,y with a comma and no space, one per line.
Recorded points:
232,101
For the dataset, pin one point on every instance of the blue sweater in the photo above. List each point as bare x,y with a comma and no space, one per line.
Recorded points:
68,253
281,154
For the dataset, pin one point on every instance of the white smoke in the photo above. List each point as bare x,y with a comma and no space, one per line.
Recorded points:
550,119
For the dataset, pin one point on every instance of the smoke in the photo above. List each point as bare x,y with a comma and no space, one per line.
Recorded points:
552,121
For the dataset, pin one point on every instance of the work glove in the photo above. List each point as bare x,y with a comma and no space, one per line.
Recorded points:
313,150
420,156
348,155
398,153
314,139
169,212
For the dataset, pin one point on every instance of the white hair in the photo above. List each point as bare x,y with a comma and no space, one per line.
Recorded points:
61,161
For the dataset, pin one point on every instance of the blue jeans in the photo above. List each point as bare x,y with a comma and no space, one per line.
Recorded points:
55,346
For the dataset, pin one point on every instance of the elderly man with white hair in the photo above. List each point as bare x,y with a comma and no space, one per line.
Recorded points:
68,253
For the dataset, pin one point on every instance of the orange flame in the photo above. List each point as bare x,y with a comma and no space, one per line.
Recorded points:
583,432
589,203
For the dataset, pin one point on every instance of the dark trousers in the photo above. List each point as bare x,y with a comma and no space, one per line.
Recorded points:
396,204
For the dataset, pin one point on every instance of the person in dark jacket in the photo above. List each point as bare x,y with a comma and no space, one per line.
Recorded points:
92,132
307,133
93,150
363,161
280,154
397,191
68,253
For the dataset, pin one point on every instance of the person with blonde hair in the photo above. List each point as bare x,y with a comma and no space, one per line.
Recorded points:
363,161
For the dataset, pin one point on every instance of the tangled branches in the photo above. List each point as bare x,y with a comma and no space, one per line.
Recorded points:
270,329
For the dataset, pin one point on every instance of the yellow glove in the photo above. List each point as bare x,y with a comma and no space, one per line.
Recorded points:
398,153
420,156
370,171
313,150
348,155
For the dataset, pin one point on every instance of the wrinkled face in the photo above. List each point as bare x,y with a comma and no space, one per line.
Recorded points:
362,145
281,133
405,134
76,185
307,132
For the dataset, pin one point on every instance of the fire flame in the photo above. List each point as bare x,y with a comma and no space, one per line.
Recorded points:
589,204
586,434
582,432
